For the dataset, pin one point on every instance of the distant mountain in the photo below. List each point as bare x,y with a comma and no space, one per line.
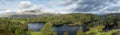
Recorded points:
29,15
26,14
38,13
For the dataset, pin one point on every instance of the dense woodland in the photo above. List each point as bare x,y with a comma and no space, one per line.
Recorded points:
96,24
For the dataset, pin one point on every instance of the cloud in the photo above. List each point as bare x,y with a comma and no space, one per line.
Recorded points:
114,7
89,6
71,6
29,6
63,6
22,6
25,4
1,2
101,6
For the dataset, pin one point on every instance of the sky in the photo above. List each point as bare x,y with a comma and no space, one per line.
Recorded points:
61,6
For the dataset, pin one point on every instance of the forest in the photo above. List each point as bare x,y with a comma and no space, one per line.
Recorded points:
108,24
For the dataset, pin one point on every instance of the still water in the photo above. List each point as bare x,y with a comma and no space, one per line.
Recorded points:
35,26
61,30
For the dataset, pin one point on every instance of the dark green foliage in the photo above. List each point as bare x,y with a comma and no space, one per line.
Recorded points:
11,27
47,29
80,32
18,26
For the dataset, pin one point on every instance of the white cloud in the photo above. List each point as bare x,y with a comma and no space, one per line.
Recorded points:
8,10
23,6
93,6
71,6
110,6
62,6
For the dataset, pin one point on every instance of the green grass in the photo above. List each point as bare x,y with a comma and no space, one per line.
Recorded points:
107,33
35,33
98,31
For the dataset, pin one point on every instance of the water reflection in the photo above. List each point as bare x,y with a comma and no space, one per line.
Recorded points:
35,26
71,30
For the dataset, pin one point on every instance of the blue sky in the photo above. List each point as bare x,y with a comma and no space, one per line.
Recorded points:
61,6
15,3
11,5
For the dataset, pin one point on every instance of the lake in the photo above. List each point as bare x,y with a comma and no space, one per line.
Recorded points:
63,29
60,29
35,26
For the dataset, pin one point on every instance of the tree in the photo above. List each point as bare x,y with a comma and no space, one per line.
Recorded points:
47,29
80,32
